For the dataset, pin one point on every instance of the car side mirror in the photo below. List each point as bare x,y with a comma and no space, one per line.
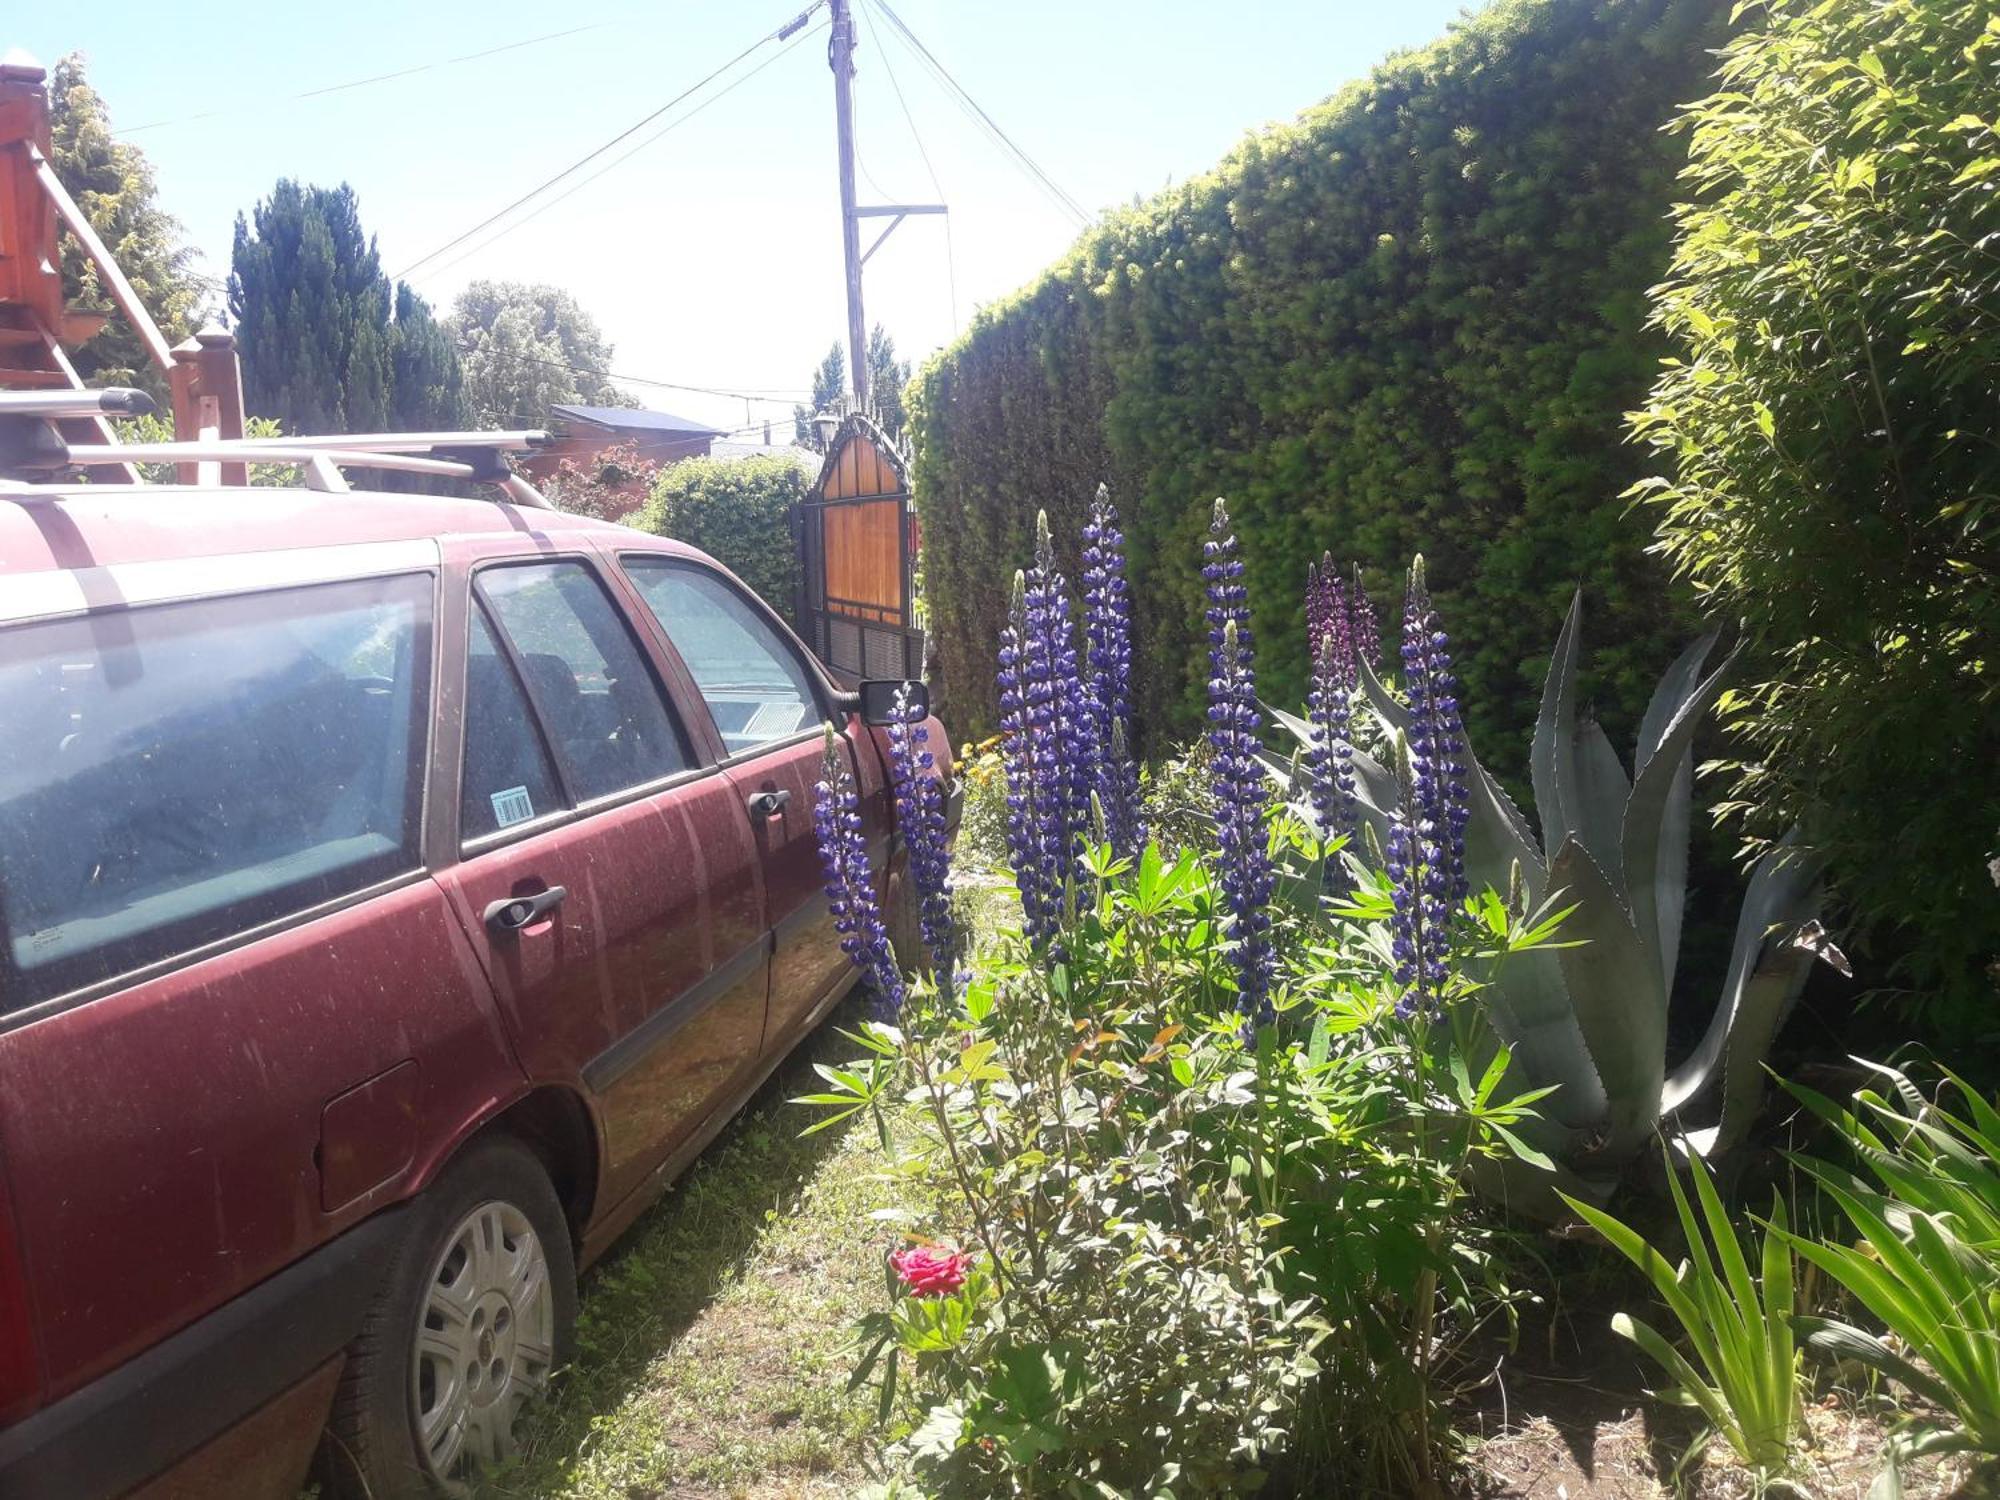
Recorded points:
894,700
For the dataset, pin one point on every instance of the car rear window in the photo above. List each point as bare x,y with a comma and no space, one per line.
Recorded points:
175,774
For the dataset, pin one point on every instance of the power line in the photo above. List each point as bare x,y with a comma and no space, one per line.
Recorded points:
776,395
617,161
958,91
916,136
637,125
356,83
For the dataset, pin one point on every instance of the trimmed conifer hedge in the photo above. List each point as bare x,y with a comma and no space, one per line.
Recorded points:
1409,321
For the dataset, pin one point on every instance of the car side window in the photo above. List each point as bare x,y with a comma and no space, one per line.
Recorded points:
507,775
751,677
176,774
605,715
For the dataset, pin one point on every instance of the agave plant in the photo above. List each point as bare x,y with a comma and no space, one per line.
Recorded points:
1591,1018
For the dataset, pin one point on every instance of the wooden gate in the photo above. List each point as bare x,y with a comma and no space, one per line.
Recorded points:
858,608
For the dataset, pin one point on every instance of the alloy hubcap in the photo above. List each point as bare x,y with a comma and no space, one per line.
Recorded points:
485,1342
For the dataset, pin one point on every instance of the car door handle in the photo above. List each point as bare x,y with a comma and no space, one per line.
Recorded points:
767,804
516,912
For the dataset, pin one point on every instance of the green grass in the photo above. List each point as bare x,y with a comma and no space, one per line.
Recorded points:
713,1345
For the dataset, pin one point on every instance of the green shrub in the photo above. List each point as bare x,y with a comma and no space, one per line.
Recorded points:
1409,321
1834,443
738,511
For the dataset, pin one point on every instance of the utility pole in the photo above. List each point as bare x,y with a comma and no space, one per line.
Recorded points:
840,56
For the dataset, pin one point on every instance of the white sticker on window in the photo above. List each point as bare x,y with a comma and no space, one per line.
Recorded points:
512,806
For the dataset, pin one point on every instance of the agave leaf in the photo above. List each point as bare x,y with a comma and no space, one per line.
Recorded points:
1766,973
1552,758
1614,988
1670,697
1655,836
1393,711
1598,798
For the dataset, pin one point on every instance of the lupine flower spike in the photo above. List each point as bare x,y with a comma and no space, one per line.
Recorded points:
1025,755
1437,735
1243,851
1107,644
1362,628
1416,930
1330,764
850,884
920,814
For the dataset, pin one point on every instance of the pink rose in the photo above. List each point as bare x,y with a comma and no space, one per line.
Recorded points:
930,1270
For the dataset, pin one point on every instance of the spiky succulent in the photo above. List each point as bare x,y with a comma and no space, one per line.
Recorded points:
1591,1018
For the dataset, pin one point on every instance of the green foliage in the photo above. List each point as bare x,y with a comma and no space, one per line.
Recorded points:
159,428
1409,320
887,376
113,183
321,350
1187,1247
738,511
607,485
1745,1372
527,348
1834,449
1928,1265
1589,1017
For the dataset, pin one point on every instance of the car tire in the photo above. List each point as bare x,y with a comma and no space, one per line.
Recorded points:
476,1313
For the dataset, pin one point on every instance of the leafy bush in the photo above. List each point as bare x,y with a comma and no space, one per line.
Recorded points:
607,485
738,511
1834,446
1409,321
1205,1152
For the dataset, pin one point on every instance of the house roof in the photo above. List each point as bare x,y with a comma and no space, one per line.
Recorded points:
805,458
634,419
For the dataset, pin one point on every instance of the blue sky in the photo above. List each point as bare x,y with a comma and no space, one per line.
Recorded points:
712,255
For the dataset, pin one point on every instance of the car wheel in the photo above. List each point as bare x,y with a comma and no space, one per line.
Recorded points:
477,1313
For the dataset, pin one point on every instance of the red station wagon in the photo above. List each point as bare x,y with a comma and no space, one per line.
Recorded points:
395,893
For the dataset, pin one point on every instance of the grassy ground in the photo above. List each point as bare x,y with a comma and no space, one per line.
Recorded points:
713,1345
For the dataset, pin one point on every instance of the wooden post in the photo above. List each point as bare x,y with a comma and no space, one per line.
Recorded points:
207,385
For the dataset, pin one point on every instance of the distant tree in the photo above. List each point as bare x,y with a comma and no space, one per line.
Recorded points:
113,184
829,389
887,376
426,378
326,345
526,348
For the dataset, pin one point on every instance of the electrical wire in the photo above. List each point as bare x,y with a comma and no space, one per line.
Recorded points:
790,27
916,136
356,83
773,395
981,117
575,188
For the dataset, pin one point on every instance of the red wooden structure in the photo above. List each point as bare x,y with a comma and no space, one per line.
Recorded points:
36,327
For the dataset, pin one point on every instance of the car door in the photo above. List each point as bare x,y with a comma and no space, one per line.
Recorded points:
768,705
605,873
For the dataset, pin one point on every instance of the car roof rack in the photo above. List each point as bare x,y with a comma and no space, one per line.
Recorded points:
479,457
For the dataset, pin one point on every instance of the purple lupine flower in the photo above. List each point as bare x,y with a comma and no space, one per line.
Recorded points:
1108,678
1026,754
1243,852
1329,704
1362,629
1437,739
1415,936
850,884
920,814
1051,638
